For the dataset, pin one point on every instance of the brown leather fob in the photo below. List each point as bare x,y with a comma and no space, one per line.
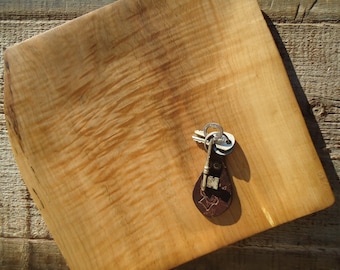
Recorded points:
217,196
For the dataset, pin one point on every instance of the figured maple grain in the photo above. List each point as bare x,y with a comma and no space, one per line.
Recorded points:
100,113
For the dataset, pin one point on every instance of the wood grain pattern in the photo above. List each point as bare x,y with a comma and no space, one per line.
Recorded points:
302,11
21,253
302,80
43,254
283,11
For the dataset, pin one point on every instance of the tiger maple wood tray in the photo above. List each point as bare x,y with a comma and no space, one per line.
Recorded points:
100,113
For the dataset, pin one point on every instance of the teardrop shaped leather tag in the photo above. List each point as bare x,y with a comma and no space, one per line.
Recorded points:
217,196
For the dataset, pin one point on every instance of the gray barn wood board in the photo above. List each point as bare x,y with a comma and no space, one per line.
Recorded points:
283,11
307,34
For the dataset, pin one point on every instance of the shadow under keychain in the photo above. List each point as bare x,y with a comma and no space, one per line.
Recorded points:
213,190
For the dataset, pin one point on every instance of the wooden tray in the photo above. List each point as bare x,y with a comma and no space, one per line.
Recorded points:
100,113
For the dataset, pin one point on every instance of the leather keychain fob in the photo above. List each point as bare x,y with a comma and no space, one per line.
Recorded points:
217,196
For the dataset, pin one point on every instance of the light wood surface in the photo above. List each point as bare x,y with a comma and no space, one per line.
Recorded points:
187,139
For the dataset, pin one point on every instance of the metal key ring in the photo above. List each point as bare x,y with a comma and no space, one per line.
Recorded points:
210,136
216,126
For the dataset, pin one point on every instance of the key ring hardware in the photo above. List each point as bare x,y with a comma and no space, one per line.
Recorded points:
213,125
215,136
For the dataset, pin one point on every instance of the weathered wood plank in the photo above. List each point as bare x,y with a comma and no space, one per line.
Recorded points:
27,254
320,230
301,11
281,10
311,55
249,258
45,9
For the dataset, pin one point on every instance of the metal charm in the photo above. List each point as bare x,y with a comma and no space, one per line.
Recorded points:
213,190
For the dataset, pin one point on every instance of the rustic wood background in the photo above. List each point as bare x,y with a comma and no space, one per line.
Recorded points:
308,36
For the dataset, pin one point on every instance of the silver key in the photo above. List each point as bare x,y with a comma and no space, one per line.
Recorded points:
207,166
